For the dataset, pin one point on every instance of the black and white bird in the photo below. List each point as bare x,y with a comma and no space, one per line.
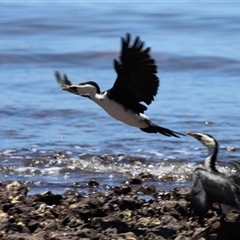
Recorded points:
210,186
136,83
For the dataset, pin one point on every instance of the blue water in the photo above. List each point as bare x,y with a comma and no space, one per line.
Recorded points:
196,47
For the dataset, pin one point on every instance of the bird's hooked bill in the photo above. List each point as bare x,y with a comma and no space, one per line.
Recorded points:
65,88
190,133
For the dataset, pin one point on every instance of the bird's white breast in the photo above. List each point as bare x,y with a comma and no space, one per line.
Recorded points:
119,112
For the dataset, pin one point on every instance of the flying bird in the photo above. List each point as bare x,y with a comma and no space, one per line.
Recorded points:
136,84
211,186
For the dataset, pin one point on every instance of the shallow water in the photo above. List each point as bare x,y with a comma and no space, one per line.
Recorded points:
196,49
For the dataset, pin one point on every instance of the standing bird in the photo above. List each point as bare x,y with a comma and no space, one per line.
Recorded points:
211,186
136,83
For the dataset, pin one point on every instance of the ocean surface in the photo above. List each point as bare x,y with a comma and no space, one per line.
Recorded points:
53,140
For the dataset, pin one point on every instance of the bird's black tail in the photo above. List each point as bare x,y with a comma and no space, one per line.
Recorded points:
153,128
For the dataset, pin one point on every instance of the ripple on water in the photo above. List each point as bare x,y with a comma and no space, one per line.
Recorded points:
51,167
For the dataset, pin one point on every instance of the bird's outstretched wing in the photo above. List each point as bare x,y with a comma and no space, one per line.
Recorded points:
63,81
137,80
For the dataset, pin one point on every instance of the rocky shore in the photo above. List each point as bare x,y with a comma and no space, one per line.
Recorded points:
123,212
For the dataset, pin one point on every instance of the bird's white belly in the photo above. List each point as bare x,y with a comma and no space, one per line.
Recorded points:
122,114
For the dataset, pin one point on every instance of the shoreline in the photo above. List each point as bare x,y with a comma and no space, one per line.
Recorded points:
120,213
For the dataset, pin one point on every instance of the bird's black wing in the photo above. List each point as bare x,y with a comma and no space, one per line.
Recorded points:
199,200
137,80
210,188
235,178
63,81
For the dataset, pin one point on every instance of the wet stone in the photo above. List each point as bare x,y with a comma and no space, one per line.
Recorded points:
115,214
49,198
122,190
148,189
135,181
93,183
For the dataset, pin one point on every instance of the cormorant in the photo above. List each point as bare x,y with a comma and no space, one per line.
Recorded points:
136,83
210,185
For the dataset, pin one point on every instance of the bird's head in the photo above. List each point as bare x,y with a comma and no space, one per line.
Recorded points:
207,140
86,89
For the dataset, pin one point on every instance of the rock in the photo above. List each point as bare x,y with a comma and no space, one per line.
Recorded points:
49,198
4,221
116,213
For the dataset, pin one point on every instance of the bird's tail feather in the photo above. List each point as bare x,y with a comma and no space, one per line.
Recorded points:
153,128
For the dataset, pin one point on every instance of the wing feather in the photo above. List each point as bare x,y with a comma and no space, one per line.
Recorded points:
136,81
62,81
209,188
199,201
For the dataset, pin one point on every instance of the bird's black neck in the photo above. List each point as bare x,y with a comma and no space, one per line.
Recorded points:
210,162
